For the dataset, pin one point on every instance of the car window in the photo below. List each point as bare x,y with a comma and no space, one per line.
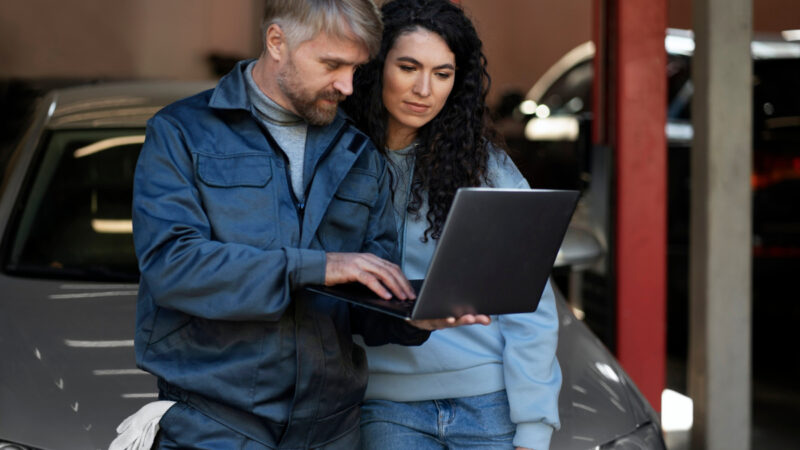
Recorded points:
776,106
776,124
571,93
679,87
776,158
76,218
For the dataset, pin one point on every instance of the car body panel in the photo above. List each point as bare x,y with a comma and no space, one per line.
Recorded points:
68,362
598,401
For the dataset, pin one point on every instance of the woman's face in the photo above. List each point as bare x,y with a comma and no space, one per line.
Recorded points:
418,76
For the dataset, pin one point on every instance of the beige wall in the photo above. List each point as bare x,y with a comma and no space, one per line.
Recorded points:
122,38
172,38
40,38
768,15
522,38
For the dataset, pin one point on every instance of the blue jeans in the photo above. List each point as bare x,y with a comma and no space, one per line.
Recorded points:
482,421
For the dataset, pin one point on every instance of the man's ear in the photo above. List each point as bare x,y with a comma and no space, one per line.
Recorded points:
275,40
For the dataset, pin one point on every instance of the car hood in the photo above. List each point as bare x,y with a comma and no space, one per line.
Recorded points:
598,401
68,362
68,376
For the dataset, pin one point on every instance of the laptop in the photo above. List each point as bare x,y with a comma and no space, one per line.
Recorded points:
494,256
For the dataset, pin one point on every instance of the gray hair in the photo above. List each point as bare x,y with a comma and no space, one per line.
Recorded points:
302,20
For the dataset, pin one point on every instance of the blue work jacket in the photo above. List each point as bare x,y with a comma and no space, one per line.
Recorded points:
223,248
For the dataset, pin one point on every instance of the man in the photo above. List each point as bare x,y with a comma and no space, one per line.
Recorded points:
243,195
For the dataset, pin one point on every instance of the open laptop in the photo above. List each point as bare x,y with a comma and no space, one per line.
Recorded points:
494,256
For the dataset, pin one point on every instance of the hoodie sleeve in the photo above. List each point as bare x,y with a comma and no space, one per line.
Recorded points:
531,371
532,374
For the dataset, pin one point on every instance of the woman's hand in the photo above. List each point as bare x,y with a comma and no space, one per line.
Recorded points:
450,322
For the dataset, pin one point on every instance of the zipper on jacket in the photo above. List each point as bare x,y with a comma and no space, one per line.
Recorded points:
324,154
299,206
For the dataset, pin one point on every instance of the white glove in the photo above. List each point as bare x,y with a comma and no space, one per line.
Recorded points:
138,430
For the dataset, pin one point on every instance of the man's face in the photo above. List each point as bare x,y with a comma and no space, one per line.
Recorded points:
318,74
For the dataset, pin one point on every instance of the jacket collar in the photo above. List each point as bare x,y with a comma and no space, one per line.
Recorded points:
231,91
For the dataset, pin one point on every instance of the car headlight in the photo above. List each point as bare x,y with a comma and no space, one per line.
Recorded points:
646,437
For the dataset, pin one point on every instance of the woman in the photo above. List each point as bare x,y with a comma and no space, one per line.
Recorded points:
422,100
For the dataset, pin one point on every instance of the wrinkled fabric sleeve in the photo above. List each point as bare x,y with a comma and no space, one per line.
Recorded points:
182,266
531,370
381,240
379,329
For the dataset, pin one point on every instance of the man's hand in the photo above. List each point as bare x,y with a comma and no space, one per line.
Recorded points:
379,274
369,270
450,322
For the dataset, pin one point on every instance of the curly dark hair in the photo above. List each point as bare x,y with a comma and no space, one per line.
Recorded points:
454,146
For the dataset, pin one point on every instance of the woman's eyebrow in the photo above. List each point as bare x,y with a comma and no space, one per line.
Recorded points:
411,60
408,59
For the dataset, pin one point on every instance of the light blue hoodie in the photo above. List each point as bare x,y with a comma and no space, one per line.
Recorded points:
516,352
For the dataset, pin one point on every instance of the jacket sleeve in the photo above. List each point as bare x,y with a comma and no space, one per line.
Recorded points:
381,240
379,329
180,263
531,371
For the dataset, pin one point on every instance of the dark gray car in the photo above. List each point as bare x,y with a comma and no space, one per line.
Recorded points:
68,288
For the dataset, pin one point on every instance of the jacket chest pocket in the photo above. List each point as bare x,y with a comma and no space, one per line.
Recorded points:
345,224
239,198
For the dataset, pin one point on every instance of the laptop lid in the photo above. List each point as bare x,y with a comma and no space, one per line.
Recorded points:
496,252
494,256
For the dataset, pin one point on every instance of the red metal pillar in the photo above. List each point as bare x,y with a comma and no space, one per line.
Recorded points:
630,95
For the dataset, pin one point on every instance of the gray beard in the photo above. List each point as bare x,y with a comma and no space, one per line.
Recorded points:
304,102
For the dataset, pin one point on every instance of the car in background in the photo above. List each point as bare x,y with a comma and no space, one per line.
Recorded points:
551,144
68,277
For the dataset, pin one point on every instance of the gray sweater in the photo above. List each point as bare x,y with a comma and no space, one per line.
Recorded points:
288,129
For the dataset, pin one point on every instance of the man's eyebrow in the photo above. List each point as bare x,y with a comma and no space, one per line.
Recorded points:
339,61
411,60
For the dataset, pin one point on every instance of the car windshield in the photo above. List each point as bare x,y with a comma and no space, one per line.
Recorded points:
571,93
75,219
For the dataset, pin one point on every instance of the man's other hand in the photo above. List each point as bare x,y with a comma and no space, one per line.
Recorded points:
369,270
450,322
